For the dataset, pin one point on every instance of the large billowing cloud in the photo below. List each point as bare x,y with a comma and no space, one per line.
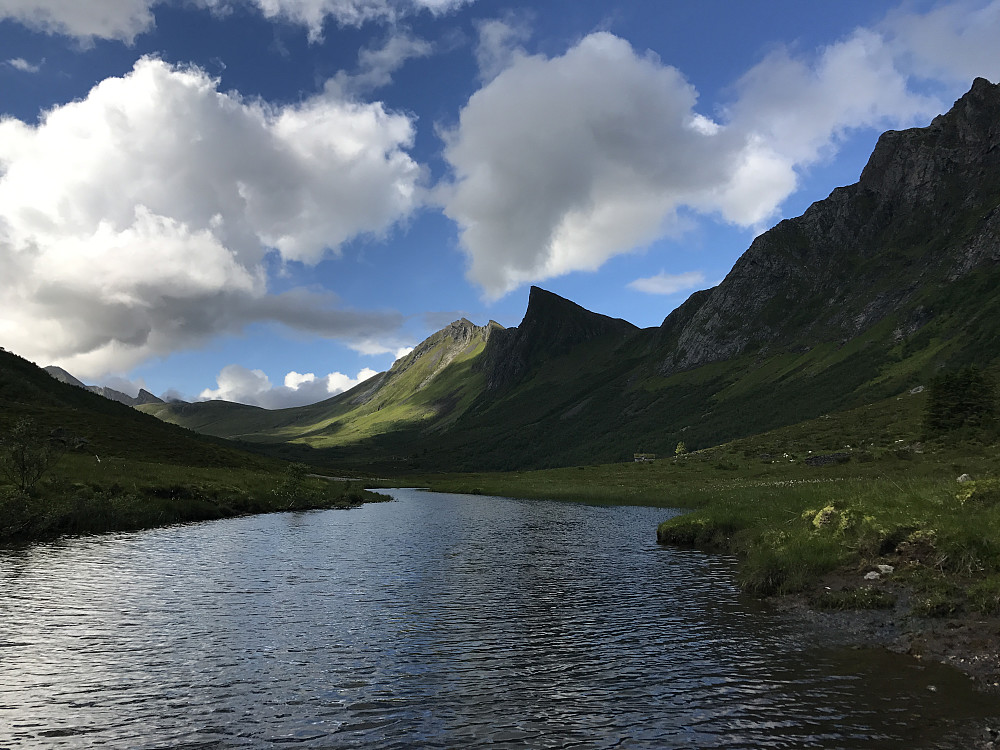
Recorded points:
136,221
125,19
562,163
244,386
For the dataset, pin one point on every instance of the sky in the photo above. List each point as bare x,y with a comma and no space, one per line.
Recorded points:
268,201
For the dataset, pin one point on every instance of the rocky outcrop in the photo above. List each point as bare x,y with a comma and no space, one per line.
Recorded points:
63,377
925,211
144,396
444,346
829,459
551,326
428,359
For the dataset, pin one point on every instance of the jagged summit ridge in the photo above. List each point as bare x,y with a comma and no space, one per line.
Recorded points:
444,346
143,397
908,166
925,208
551,326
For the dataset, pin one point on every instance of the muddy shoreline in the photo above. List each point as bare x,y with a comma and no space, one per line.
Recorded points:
969,642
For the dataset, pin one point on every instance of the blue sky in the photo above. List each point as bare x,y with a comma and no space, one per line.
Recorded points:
264,200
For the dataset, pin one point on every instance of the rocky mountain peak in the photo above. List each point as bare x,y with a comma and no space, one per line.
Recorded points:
552,325
62,376
958,150
926,210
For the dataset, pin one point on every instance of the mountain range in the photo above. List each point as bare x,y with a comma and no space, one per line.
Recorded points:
143,397
870,292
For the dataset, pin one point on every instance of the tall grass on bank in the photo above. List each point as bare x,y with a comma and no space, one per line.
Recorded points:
792,534
85,496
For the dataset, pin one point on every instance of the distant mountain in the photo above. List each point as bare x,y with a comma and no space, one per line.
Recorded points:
428,387
63,377
100,426
143,397
871,291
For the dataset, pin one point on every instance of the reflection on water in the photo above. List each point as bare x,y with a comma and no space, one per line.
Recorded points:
436,621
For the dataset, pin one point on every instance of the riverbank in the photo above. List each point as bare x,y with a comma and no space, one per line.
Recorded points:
883,538
964,640
83,495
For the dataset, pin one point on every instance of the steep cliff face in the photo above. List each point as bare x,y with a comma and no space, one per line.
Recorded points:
924,213
551,326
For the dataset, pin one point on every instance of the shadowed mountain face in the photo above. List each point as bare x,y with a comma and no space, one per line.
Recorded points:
870,291
925,212
91,425
551,326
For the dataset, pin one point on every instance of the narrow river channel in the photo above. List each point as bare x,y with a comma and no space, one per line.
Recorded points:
433,621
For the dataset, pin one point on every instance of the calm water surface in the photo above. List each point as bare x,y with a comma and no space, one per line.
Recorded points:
432,621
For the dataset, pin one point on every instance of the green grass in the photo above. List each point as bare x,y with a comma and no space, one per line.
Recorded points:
127,470
81,496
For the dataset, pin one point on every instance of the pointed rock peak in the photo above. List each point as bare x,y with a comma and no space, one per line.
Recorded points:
552,312
145,397
548,309
978,106
551,326
982,88
543,302
61,375
910,166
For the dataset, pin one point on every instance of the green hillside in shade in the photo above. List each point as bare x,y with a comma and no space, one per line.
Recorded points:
870,293
104,466
104,427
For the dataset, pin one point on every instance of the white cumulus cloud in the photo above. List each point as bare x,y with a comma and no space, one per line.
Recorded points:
242,385
952,41
377,64
560,163
135,222
313,13
666,283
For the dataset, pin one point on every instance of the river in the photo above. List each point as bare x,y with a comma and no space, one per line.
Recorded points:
433,621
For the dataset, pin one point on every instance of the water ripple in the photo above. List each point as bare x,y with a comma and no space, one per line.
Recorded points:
433,621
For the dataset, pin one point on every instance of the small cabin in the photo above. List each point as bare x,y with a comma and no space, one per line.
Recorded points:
642,457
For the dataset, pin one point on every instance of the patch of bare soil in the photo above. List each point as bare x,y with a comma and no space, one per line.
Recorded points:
969,642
